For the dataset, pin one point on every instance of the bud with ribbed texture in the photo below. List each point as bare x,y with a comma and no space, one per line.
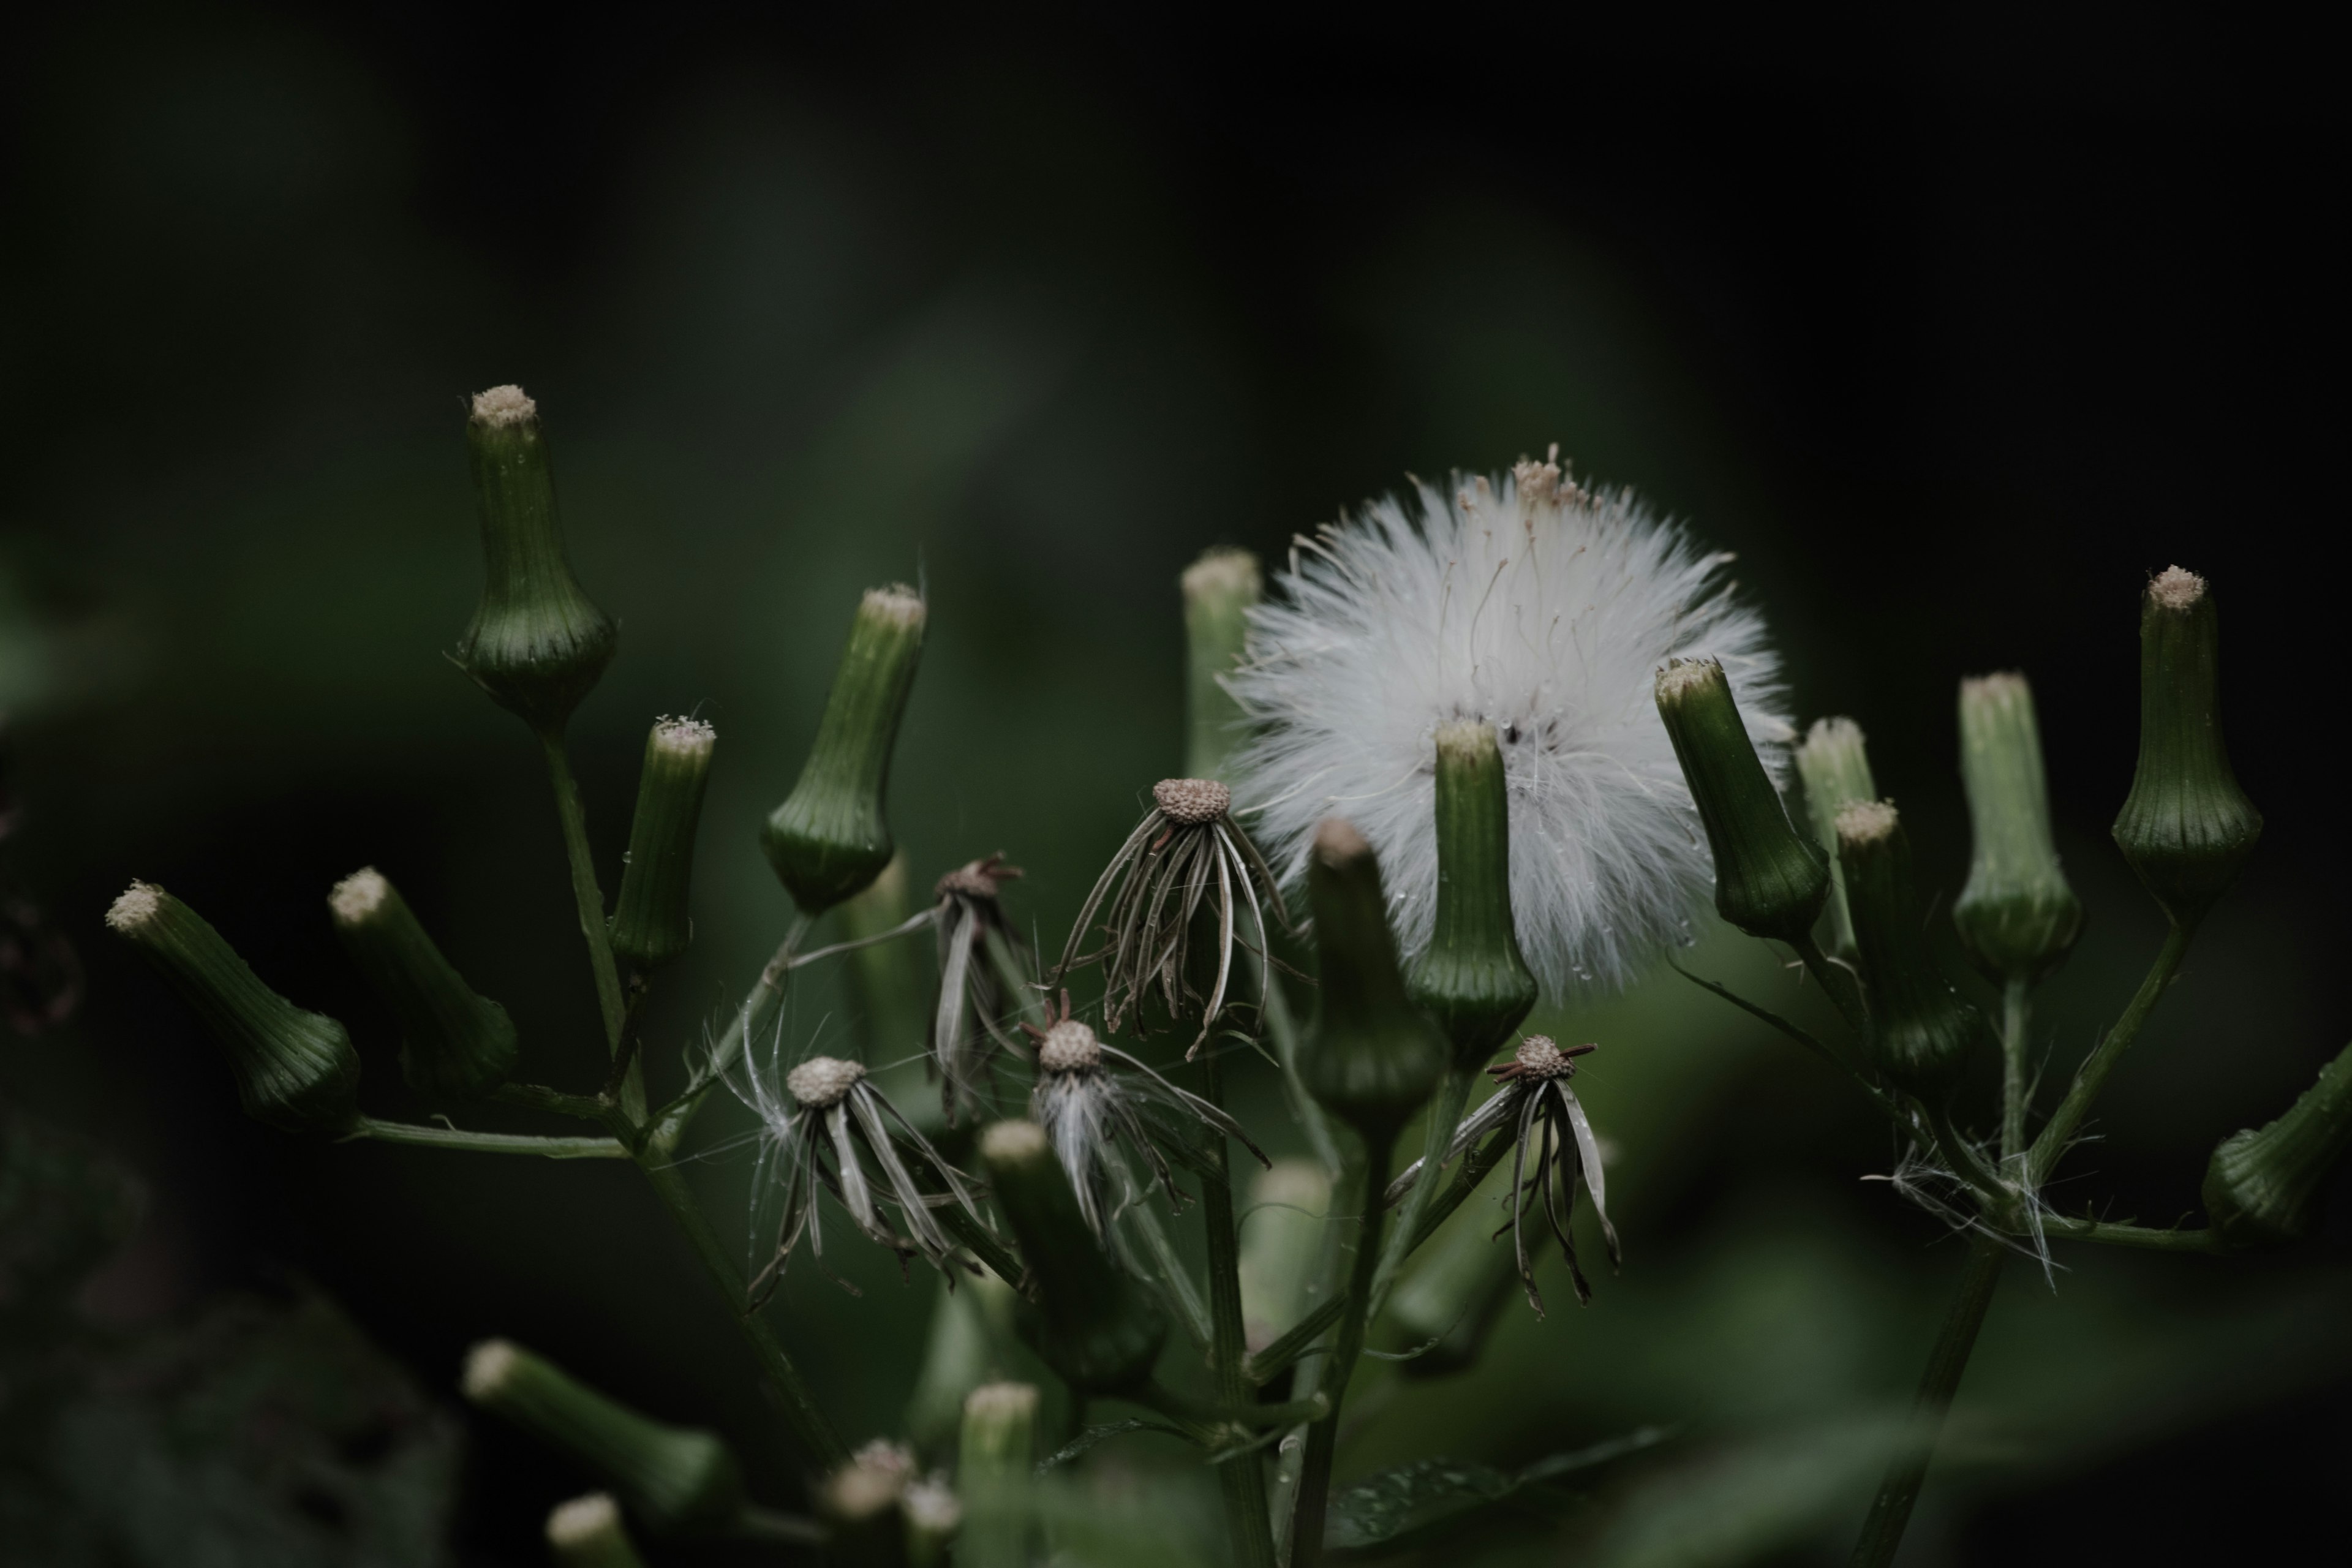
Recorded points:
1834,764
829,838
995,1471
1921,1029
2265,1187
1373,1057
652,920
2017,917
587,1533
1768,882
672,1477
1097,1329
295,1069
537,644
1219,589
2185,827
861,1504
452,1042
1472,978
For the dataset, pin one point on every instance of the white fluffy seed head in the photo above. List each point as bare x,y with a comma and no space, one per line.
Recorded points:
1541,1057
358,896
501,406
1069,1046
134,907
583,1520
489,1366
2175,588
1546,611
820,1082
1866,822
1192,802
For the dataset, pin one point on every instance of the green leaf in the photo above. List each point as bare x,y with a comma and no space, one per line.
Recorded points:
1426,1492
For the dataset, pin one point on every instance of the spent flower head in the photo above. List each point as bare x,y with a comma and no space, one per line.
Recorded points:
1545,610
978,946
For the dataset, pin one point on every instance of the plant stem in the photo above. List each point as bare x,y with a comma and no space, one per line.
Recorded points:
1844,990
815,1432
760,1005
2138,1235
1882,1530
1445,1115
2092,1076
1242,1480
491,1142
554,1101
1323,1437
591,900
2013,1016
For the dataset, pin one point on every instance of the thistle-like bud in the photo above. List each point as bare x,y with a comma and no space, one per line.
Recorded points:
537,644
2017,916
673,1477
652,920
2265,1187
860,1504
1921,1029
295,1070
1373,1057
1768,882
1098,1331
2185,827
1219,589
1472,978
587,1533
829,838
995,1469
452,1042
1834,764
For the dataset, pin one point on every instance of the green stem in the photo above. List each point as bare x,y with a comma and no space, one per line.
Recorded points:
1882,1530
491,1142
1323,1437
1444,1115
815,1432
2050,1147
2138,1235
539,1097
1242,1479
760,1005
1843,989
2013,1016
590,898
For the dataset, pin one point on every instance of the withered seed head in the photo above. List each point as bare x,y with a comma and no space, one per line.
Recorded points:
1069,1046
1192,802
821,1082
983,879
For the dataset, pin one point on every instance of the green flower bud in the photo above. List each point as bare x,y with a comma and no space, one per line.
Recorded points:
652,920
1472,978
1768,881
2185,827
537,644
995,1468
587,1533
672,1477
451,1041
2017,917
1373,1057
1098,1330
2265,1187
1219,589
861,1504
1835,768
829,839
1921,1029
295,1070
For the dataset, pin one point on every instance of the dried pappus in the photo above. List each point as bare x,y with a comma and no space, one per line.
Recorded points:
1545,610
1186,856
977,947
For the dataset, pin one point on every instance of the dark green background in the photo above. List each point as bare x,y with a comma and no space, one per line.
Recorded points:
1952,333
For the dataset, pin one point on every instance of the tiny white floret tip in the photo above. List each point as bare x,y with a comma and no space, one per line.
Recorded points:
501,406
2175,588
1866,821
489,1366
1547,610
358,896
134,907
583,1520
685,737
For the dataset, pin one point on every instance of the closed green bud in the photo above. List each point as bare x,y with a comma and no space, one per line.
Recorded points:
1768,882
451,1041
672,1477
652,920
537,644
2185,827
1096,1328
1373,1057
1921,1030
2265,1187
1472,978
995,1471
295,1070
829,838
587,1533
1219,589
2017,916
1834,764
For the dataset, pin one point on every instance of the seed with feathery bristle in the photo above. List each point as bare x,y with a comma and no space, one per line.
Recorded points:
1192,802
822,1081
1069,1046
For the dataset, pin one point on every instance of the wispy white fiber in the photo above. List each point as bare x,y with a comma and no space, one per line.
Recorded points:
1546,610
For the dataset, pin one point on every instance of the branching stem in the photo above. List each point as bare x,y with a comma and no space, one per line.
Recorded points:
2050,1146
2014,1012
491,1142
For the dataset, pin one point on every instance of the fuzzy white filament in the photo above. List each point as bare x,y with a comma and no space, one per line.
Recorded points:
1546,611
